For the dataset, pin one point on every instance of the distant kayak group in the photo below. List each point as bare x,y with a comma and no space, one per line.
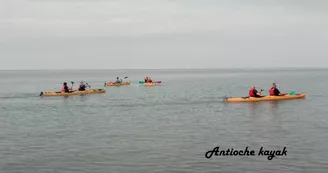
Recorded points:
253,94
82,88
119,82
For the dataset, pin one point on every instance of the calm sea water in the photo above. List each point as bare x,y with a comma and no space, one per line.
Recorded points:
166,128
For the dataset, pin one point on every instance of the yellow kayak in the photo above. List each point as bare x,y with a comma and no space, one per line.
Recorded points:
150,84
76,92
265,98
118,84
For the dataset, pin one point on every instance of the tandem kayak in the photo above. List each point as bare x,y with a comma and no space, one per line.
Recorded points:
150,84
265,98
117,84
142,82
76,92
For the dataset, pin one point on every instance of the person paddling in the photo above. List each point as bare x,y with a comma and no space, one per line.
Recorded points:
254,93
274,91
65,88
117,80
149,80
146,79
82,86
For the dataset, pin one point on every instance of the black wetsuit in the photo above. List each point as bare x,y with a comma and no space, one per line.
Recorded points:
276,92
255,94
82,88
66,88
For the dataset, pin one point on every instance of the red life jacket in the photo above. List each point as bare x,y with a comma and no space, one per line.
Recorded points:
271,91
251,93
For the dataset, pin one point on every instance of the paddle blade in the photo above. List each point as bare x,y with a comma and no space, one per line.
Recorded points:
292,93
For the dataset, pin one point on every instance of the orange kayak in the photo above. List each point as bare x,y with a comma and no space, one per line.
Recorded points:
265,98
150,84
118,84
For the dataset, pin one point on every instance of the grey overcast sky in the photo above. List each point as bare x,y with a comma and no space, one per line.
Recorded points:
122,34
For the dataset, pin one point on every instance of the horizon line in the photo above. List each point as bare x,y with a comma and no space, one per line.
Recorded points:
222,68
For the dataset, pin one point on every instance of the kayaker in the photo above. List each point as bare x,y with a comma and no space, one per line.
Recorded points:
254,93
65,88
82,86
274,91
149,80
117,80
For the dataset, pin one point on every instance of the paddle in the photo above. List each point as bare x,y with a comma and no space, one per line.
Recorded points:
88,85
123,78
72,84
292,93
